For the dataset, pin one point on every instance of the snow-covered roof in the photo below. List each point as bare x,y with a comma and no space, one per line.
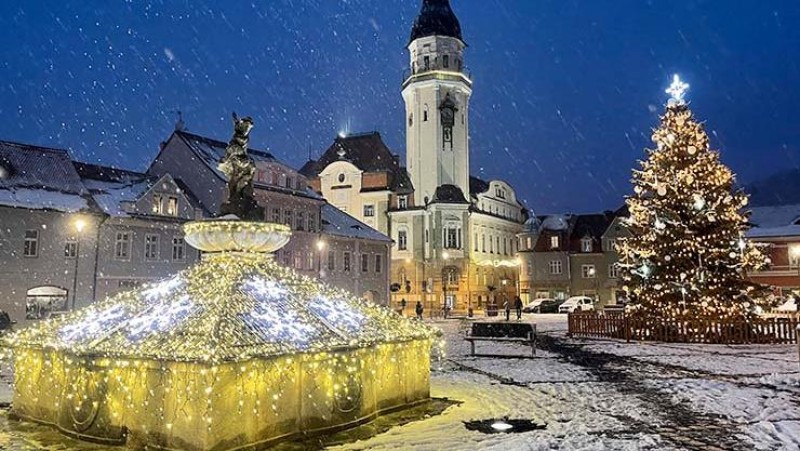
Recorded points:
774,221
556,222
338,223
211,151
40,178
112,188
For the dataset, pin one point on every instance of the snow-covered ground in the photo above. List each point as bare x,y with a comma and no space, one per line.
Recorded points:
609,395
590,394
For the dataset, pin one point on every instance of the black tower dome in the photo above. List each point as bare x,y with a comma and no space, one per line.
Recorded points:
436,19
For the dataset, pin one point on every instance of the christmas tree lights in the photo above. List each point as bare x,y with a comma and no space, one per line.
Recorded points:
687,254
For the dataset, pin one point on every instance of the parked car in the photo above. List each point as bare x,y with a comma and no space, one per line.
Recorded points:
551,306
790,306
535,305
577,303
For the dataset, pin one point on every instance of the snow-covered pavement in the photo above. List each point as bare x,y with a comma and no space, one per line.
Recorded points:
608,395
590,394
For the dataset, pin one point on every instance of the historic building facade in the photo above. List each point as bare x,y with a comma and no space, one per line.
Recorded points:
570,255
455,236
777,228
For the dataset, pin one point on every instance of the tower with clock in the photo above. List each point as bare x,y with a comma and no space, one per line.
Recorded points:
436,94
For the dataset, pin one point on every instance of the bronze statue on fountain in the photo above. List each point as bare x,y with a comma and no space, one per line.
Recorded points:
240,170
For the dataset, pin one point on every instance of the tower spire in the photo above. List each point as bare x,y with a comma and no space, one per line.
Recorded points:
436,18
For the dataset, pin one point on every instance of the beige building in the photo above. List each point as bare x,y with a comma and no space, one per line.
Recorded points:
455,236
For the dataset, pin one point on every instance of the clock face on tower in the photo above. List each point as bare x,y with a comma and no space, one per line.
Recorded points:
448,116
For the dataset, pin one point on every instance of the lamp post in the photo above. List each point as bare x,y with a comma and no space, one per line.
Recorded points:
445,279
79,225
320,247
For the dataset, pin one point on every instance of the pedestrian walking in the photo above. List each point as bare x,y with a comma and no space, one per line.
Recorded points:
418,310
402,306
507,307
518,307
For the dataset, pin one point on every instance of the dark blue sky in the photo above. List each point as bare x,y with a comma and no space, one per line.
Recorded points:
566,91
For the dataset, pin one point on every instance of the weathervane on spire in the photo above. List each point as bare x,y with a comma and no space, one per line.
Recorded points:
677,90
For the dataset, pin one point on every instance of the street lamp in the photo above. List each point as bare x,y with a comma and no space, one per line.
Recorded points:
320,247
79,225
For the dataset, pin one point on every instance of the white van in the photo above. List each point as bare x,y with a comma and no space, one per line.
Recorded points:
577,304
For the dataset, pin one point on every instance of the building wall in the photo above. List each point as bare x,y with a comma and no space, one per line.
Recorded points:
50,267
120,274
373,283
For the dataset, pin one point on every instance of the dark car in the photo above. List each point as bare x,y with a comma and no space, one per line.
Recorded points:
542,305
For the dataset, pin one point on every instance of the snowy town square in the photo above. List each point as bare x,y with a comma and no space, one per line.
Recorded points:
413,225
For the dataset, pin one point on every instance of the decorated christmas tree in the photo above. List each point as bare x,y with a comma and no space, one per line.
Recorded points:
687,254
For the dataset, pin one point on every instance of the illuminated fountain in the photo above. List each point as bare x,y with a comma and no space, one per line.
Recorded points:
236,351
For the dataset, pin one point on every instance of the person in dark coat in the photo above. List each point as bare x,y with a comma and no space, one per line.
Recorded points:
418,310
507,307
518,307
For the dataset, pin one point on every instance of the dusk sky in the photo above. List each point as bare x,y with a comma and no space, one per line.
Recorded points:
566,91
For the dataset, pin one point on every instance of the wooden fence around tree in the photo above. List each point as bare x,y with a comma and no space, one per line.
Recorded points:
684,330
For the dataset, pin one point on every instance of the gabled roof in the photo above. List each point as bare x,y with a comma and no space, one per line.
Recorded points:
436,19
40,178
338,223
367,152
112,187
211,151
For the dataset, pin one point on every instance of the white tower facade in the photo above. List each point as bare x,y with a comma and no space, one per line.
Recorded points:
436,94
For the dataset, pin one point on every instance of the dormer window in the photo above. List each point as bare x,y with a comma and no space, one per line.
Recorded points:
402,202
586,244
158,202
554,242
172,206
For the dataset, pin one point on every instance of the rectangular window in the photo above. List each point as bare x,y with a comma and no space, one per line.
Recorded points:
122,246
530,242
312,223
378,263
300,224
172,206
369,211
588,272
556,267
475,241
71,249
346,262
298,260
446,61
276,215
554,242
402,202
31,243
505,246
151,247
310,261
287,217
586,245
289,182
613,271
331,260
364,263
402,240
451,238
178,249
287,258
483,243
158,202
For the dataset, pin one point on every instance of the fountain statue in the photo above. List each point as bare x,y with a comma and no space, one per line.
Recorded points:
240,169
